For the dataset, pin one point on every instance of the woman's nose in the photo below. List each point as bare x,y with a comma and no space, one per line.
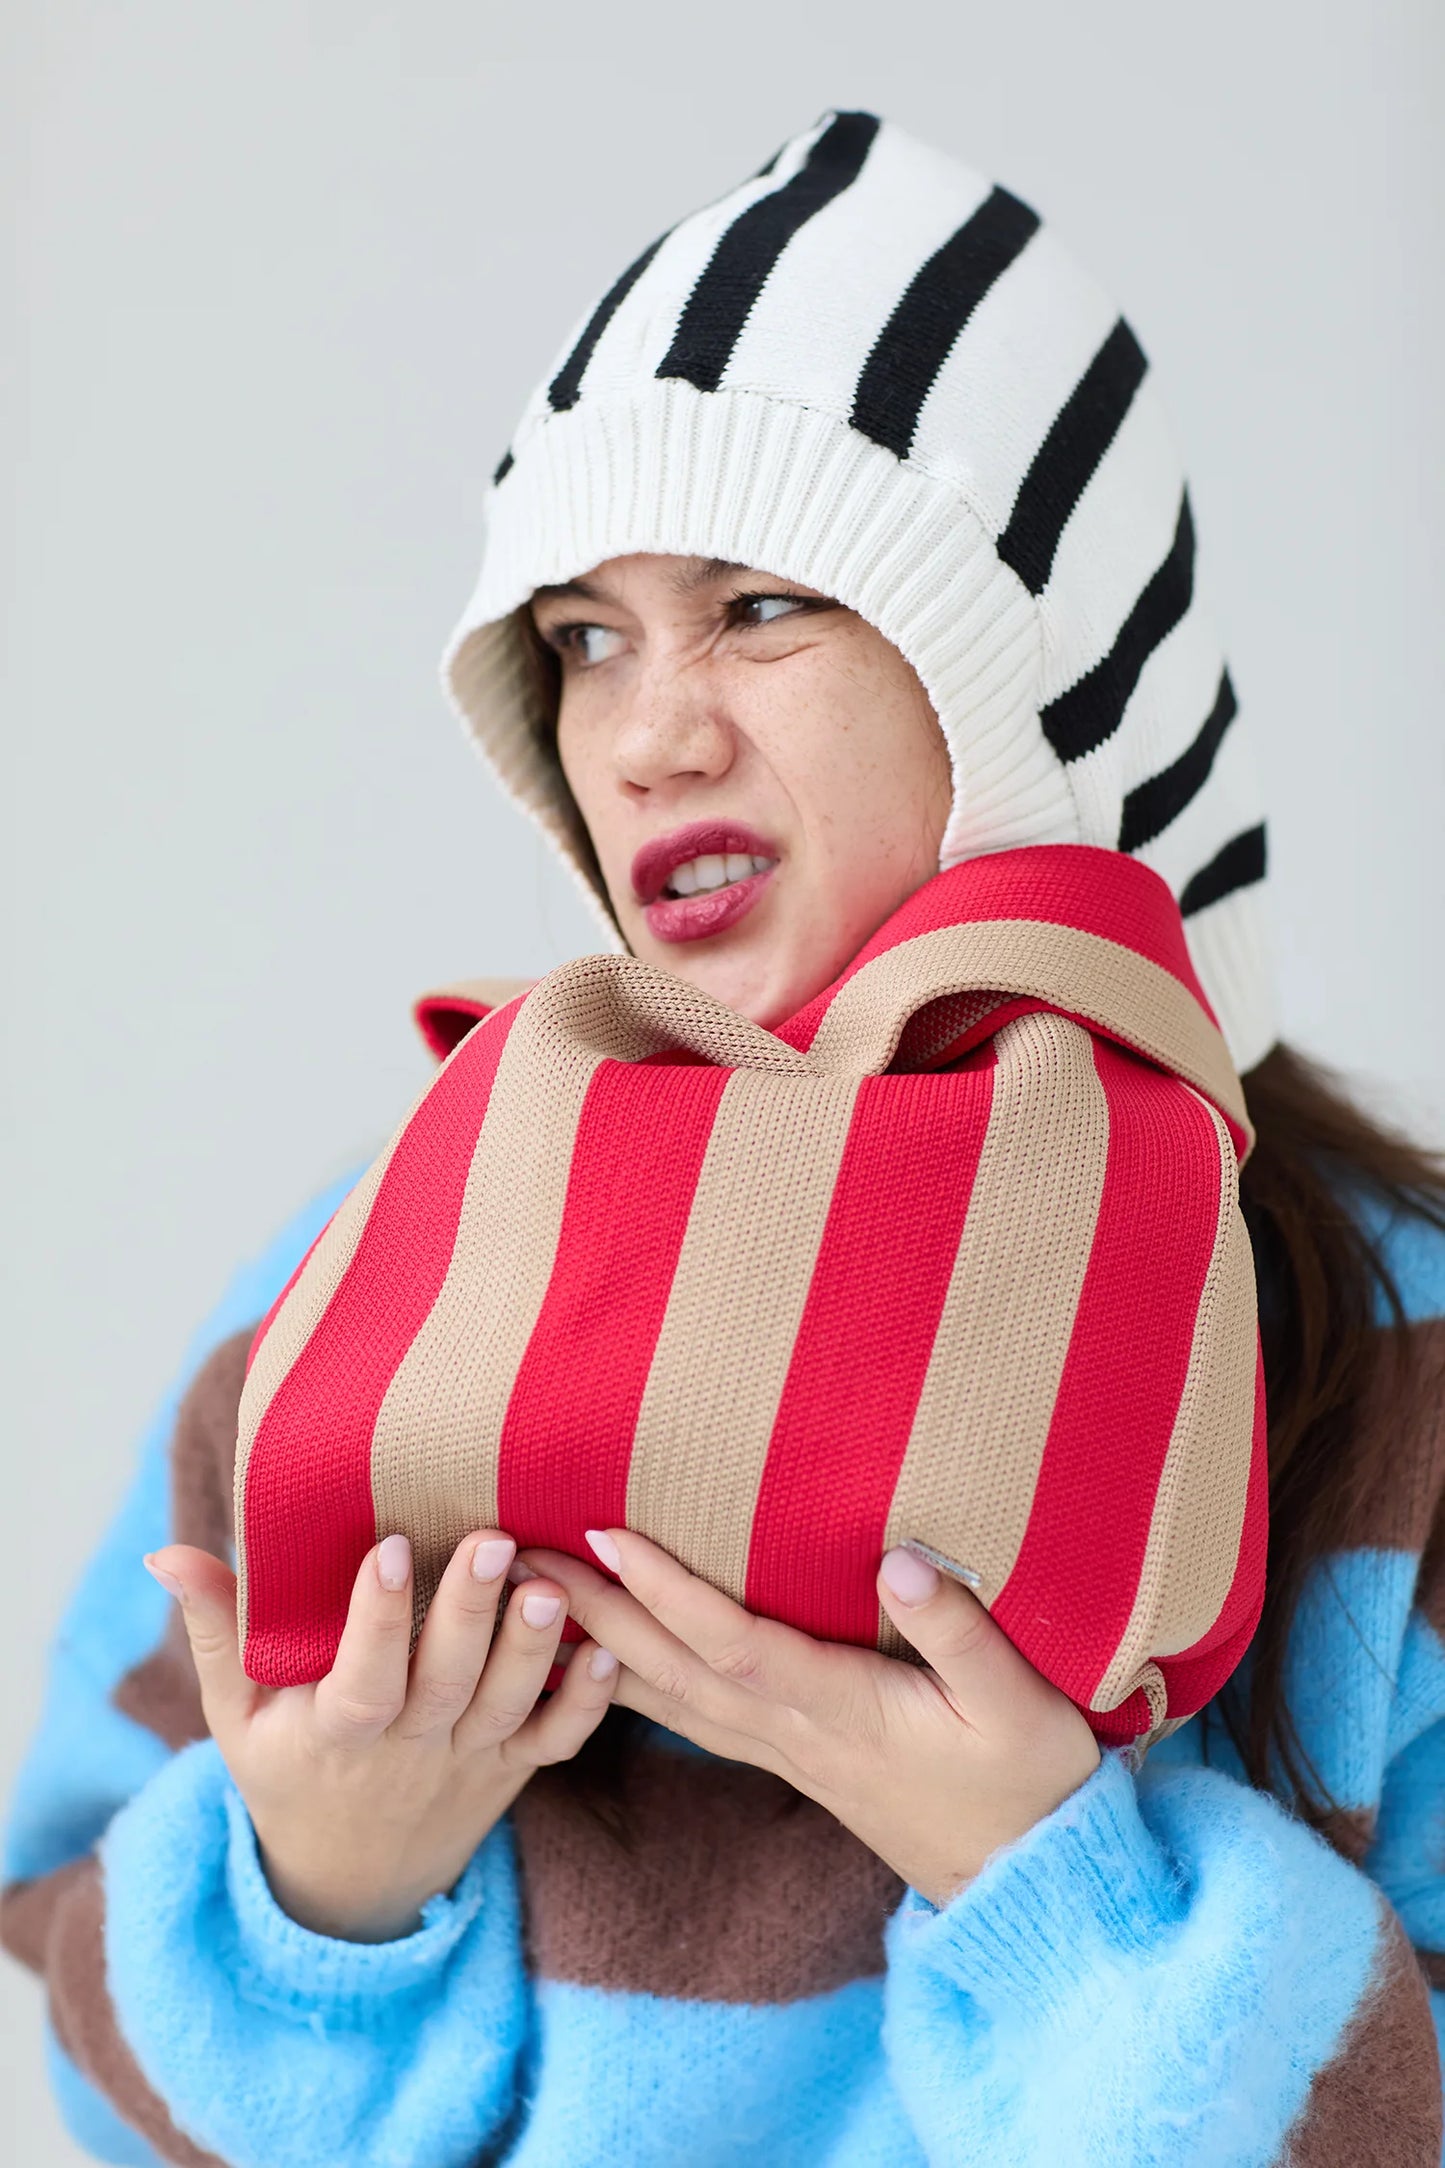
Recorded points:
675,726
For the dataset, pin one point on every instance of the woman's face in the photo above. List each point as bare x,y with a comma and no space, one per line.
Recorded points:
762,774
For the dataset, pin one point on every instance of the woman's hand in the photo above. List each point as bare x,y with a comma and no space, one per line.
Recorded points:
932,1768
371,1790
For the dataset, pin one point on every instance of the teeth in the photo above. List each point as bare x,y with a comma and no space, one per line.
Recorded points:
699,876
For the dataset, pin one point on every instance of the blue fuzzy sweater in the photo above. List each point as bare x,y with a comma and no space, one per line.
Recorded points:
1169,1969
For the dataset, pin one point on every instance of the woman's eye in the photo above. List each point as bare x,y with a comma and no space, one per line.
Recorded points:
593,643
762,609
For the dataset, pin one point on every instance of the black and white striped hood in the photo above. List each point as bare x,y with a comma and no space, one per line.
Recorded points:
870,370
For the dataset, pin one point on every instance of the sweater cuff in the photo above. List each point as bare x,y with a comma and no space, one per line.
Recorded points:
297,1965
1054,1918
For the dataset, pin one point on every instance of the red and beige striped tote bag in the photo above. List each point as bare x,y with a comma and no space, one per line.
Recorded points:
953,1257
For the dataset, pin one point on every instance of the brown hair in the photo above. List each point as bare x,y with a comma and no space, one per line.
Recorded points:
1323,1180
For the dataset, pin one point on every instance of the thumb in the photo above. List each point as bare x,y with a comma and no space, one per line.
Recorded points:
205,1589
954,1634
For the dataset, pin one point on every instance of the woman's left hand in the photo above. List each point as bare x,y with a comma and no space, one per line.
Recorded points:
933,1767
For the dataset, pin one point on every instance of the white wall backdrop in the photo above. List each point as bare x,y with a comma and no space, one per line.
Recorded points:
283,273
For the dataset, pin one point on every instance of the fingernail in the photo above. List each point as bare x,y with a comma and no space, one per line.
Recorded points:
393,1561
167,1580
601,1663
605,1549
540,1610
517,1572
491,1557
910,1577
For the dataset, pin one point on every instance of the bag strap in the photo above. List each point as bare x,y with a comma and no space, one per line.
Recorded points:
1086,933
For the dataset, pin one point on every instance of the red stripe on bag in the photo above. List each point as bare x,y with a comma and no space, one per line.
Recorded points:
863,1346
1060,884
314,1442
1077,1573
564,1451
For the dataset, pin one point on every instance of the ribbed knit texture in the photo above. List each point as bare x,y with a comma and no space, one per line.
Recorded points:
869,370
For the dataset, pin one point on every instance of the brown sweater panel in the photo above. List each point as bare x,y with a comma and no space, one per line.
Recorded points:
726,1886
162,1692
56,1925
203,1451
1377,2104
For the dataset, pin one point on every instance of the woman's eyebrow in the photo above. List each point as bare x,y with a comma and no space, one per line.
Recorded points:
584,588
698,572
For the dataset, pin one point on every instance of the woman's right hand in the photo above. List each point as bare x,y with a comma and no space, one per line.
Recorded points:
370,1791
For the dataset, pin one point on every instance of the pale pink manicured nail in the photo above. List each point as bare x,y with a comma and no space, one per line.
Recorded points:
393,1561
517,1571
910,1577
167,1580
540,1610
491,1557
605,1549
601,1663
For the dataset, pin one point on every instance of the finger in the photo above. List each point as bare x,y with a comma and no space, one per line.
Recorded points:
516,1669
205,1589
621,1623
776,1665
557,1727
456,1633
365,1689
750,1651
681,1714
953,1633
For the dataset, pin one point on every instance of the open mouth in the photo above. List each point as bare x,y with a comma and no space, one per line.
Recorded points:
701,879
702,876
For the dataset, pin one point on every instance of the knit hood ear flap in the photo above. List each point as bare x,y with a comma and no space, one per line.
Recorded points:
491,677
872,371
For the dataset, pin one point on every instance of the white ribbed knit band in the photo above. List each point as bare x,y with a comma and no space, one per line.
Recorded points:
1029,548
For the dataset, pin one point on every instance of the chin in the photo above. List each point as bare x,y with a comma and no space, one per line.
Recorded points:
752,988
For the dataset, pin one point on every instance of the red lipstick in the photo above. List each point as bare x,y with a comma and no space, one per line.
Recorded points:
697,917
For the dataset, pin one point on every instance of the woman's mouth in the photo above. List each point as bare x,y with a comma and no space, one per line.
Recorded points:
701,879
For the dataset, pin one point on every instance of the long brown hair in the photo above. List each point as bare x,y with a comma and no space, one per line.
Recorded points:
1322,1181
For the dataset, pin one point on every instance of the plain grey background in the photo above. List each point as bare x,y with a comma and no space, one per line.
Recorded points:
283,274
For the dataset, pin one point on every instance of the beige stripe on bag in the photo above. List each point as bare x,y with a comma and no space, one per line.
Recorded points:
990,1389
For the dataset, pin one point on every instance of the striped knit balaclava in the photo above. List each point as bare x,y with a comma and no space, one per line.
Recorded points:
872,371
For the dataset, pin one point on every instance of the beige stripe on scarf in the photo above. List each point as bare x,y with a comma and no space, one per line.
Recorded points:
1194,1531
1080,972
732,1317
989,1393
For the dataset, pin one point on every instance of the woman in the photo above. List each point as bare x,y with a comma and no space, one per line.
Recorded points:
844,542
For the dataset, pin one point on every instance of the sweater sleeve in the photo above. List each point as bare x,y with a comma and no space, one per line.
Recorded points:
277,2048
120,1698
1174,1971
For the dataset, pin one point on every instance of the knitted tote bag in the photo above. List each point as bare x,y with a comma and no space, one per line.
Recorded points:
952,1257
